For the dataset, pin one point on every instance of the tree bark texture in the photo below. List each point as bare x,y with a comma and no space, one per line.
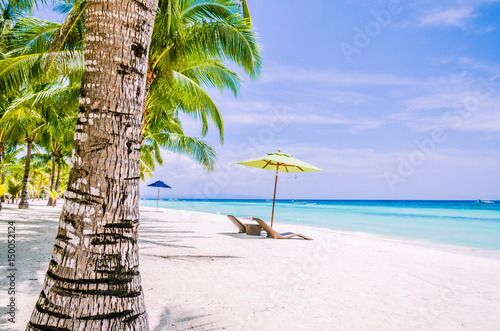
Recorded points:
23,204
52,175
93,281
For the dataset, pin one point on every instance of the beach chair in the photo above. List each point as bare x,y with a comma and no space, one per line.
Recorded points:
239,225
250,229
275,235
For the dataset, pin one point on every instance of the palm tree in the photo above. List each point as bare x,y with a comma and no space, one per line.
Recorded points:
26,64
21,123
40,182
3,190
40,166
191,39
163,128
14,188
56,136
36,49
10,163
62,166
95,257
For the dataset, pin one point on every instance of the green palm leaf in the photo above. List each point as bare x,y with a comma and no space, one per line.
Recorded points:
196,102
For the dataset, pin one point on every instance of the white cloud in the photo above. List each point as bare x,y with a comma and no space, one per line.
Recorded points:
465,102
346,171
450,112
349,97
447,13
450,17
333,76
301,114
476,121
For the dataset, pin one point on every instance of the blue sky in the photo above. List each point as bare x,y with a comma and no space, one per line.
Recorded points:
393,99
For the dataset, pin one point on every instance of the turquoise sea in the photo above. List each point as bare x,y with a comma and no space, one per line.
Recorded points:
462,223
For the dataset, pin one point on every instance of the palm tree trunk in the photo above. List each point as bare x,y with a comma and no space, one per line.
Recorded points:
93,281
33,186
24,190
52,173
58,183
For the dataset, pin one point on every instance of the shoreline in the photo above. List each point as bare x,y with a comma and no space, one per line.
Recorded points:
493,253
198,273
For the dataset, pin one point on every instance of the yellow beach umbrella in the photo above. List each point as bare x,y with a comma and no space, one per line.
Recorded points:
279,162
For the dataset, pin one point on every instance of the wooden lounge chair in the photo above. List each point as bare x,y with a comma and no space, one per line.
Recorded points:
239,225
275,235
250,229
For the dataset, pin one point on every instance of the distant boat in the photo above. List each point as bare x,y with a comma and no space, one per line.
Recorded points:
484,201
295,202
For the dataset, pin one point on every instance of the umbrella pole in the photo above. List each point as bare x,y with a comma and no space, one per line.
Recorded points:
274,198
157,199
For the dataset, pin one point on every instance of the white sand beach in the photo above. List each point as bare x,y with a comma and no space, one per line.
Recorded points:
199,274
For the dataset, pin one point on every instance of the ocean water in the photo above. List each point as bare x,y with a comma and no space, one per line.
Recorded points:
462,223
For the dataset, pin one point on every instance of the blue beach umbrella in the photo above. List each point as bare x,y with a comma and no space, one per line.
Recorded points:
158,184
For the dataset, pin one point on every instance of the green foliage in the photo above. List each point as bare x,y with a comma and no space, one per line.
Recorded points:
35,52
41,65
191,41
53,194
3,189
14,187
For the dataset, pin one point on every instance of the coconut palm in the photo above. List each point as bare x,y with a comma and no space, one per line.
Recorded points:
34,117
26,118
21,122
14,188
96,247
3,190
40,181
56,137
10,162
40,168
191,39
6,23
62,158
163,129
36,50
26,64
8,156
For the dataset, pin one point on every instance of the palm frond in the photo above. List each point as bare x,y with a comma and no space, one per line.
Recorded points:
195,11
212,74
196,148
196,103
246,12
22,5
32,35
16,71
